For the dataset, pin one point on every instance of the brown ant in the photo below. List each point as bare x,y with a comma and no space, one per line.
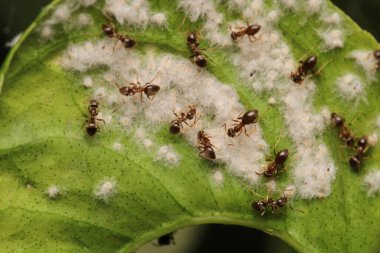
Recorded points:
344,133
376,54
150,90
250,30
125,40
303,69
205,146
166,240
277,165
176,125
92,127
249,117
198,57
362,147
262,205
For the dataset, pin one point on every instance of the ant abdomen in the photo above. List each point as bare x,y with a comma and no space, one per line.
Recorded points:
282,156
128,43
151,90
209,153
310,62
175,128
91,129
250,117
252,29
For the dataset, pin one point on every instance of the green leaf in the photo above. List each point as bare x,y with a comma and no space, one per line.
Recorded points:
42,144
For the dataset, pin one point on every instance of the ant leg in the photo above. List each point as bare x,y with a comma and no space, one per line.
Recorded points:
225,126
114,45
195,120
84,123
255,193
102,120
245,131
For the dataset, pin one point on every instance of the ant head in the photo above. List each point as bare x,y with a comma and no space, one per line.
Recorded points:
231,132
258,206
297,78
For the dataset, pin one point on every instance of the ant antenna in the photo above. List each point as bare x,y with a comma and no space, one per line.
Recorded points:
322,67
152,79
296,209
255,193
278,138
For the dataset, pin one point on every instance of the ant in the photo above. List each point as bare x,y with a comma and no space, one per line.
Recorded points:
250,30
150,90
176,125
205,146
198,57
376,54
277,165
249,117
344,132
303,69
92,127
268,202
362,147
166,240
111,32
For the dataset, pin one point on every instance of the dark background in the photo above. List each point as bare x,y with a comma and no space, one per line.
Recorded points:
16,15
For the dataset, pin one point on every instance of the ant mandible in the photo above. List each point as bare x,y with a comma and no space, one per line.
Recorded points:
249,117
205,147
250,30
92,127
176,125
111,32
150,90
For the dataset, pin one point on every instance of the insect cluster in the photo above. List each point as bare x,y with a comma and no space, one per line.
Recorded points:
190,117
349,139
